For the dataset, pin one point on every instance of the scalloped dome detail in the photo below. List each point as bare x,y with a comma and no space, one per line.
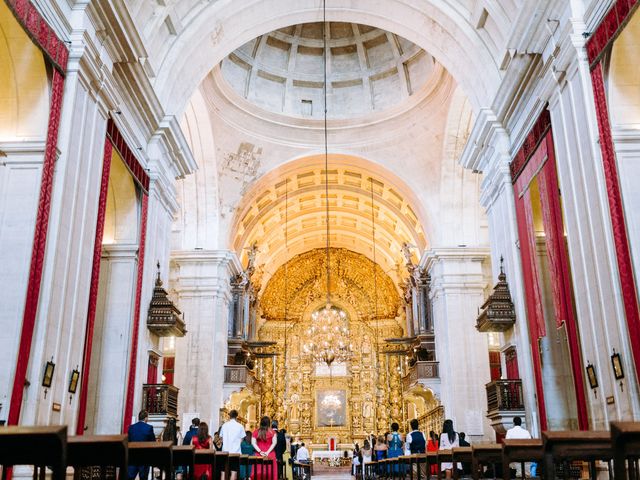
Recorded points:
368,70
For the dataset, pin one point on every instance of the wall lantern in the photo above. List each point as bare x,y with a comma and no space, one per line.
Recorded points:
616,363
593,379
47,380
73,381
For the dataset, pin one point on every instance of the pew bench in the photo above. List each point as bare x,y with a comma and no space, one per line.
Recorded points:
154,454
486,455
563,447
38,446
184,456
104,452
520,451
625,440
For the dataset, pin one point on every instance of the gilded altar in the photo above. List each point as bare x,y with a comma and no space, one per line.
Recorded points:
351,400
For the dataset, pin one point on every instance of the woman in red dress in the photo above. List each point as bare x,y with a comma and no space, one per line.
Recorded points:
432,446
264,442
202,441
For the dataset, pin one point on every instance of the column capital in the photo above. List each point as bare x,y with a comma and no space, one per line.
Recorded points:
203,272
457,269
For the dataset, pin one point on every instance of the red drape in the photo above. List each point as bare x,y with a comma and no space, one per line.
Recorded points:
128,409
38,250
93,287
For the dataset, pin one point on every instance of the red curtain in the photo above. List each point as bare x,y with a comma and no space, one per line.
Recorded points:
494,365
511,364
168,365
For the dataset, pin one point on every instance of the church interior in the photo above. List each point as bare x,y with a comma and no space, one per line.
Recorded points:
340,214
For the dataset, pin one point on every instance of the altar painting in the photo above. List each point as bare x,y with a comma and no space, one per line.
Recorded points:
331,408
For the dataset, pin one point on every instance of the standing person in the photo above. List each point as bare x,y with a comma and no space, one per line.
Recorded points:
281,444
380,449
202,441
246,448
355,460
395,443
366,456
415,439
193,430
140,431
302,455
517,432
232,434
448,440
432,446
264,441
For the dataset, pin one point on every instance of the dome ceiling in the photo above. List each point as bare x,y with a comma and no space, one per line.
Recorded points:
368,70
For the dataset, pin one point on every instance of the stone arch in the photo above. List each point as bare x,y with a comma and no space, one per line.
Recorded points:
439,28
121,215
25,86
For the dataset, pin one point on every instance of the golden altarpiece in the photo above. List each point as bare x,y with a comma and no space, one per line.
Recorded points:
351,400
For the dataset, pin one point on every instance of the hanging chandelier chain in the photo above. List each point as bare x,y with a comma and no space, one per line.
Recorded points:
326,143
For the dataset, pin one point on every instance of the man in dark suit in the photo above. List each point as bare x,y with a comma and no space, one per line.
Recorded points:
140,431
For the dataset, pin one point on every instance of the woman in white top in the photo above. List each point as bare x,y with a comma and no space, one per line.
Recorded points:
366,455
448,440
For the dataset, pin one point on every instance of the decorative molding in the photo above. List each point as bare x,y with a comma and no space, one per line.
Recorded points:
528,148
39,245
40,33
93,287
128,408
130,160
611,26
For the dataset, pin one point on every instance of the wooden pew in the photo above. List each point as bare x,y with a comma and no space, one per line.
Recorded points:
205,457
406,463
86,451
185,456
625,440
520,451
244,467
486,454
221,466
431,461
370,470
154,454
37,446
234,463
462,455
443,456
567,446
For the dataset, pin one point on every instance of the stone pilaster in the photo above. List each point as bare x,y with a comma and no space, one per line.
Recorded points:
201,280
457,290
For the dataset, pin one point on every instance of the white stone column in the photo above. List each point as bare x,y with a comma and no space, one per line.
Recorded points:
20,173
596,286
111,338
201,280
457,288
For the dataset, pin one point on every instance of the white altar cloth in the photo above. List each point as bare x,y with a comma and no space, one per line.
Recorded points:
326,454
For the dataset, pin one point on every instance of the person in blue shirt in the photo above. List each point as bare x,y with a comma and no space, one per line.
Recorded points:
140,431
193,431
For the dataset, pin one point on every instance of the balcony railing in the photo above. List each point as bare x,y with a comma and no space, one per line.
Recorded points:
235,374
504,395
423,370
160,399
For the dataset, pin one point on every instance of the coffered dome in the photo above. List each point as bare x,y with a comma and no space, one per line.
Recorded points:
368,70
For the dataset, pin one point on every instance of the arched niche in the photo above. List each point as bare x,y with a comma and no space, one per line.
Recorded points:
121,216
624,77
24,95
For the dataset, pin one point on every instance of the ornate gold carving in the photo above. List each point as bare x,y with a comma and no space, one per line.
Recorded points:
352,285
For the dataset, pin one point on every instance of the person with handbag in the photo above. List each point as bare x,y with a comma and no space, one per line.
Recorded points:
202,441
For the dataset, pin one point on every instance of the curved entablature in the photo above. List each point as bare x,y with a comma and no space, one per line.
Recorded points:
302,281
291,202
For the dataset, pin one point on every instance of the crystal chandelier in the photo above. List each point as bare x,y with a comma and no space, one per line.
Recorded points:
328,336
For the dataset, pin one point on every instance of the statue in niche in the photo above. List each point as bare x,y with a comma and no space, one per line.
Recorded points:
367,409
293,411
406,252
366,346
306,416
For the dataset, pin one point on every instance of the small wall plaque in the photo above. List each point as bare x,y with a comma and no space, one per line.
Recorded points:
611,400
56,407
